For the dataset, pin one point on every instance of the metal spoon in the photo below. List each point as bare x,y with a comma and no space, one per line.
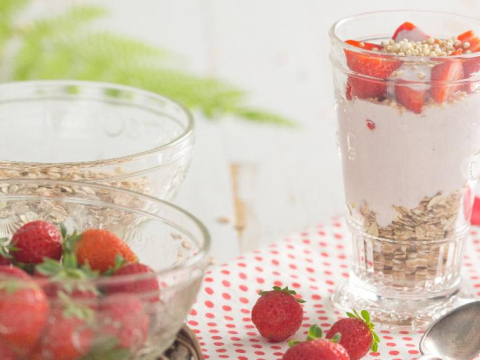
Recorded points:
454,336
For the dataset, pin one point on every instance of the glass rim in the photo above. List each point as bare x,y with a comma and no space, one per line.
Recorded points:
196,259
185,135
333,35
336,41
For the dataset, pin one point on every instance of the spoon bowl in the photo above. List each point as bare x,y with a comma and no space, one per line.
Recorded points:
454,336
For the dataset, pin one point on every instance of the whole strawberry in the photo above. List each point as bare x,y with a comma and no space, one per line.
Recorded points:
37,240
100,249
23,311
122,316
357,335
277,314
67,335
316,348
145,285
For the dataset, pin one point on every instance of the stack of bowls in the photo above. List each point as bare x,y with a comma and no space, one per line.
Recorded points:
90,155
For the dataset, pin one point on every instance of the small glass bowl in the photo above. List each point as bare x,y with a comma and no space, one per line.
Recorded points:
95,132
166,238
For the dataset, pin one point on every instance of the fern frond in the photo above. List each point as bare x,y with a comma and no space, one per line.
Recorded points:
70,22
8,11
59,48
262,116
37,37
10,8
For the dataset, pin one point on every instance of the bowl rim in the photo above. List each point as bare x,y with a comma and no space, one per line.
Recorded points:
187,132
201,256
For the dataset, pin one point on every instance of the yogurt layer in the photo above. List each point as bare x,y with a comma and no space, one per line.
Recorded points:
404,156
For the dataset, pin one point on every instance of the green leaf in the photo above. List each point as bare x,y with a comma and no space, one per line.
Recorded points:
63,231
374,347
350,315
119,262
336,338
105,349
292,343
315,332
375,337
365,316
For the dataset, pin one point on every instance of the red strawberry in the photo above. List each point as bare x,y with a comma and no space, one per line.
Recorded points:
100,249
35,241
357,335
316,348
145,285
475,219
123,317
7,271
277,314
410,32
65,337
442,73
471,38
23,312
376,66
6,353
409,97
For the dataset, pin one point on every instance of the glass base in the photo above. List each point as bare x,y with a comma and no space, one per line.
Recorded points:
407,313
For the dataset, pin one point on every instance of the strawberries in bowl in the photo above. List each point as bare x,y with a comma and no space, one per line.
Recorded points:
99,296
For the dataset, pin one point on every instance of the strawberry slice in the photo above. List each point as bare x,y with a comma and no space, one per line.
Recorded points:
363,45
471,38
448,70
409,97
376,66
409,31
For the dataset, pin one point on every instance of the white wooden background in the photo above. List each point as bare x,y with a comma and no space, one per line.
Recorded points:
249,183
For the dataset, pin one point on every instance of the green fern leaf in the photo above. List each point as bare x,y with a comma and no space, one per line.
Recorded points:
63,47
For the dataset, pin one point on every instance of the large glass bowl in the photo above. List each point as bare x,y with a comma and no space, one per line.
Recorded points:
94,132
166,238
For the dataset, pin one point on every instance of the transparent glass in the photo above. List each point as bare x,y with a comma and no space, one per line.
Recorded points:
166,238
95,132
410,166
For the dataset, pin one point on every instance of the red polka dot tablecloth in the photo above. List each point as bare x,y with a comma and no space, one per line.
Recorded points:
312,263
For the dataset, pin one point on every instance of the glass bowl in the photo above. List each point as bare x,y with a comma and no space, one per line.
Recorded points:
95,132
164,237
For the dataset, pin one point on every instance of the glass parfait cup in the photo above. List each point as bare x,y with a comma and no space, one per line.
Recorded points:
409,139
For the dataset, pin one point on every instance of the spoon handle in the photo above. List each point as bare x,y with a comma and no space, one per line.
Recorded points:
430,357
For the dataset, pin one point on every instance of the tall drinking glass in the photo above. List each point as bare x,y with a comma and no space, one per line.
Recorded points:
409,134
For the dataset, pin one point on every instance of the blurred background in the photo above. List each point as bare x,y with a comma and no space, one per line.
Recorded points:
255,73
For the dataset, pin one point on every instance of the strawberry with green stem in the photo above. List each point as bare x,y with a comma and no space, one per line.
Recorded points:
68,276
277,314
357,334
68,333
316,348
35,241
